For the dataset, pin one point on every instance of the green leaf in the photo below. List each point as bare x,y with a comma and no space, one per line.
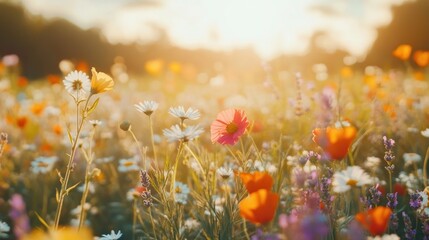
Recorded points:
57,195
70,136
94,105
42,221
72,187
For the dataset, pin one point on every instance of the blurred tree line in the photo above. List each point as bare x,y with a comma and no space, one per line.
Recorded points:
41,44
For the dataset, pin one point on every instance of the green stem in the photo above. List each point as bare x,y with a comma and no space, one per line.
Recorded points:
390,180
258,153
64,182
83,200
245,229
140,149
233,155
425,178
152,222
197,159
86,185
176,163
152,140
134,218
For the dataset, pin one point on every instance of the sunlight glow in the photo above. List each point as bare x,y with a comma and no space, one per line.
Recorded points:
271,27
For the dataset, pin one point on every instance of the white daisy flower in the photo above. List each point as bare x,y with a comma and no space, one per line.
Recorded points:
353,176
191,224
181,192
175,133
410,180
341,124
95,123
77,83
225,173
43,164
425,203
77,210
146,107
372,162
425,133
411,158
179,112
129,164
4,228
385,237
91,187
111,236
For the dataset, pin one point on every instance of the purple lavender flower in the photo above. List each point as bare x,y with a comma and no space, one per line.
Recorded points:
394,222
355,231
314,226
146,194
260,235
392,200
410,233
372,197
325,194
144,178
388,143
18,214
425,228
415,200
286,221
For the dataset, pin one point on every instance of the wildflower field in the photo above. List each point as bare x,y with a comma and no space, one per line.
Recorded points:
170,154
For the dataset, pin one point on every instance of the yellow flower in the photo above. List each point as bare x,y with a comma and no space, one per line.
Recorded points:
66,233
100,82
154,67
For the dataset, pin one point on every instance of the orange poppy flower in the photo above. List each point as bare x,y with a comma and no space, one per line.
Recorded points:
402,52
46,147
82,66
375,220
419,75
53,79
259,207
21,122
37,108
421,58
22,82
57,129
256,181
389,109
346,72
335,141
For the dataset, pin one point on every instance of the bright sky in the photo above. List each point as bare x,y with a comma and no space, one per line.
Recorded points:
271,27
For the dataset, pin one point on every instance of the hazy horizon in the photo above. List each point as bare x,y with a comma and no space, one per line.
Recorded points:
271,27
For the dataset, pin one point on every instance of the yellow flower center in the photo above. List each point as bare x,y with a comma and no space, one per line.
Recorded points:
129,163
352,183
42,164
231,128
178,190
77,85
